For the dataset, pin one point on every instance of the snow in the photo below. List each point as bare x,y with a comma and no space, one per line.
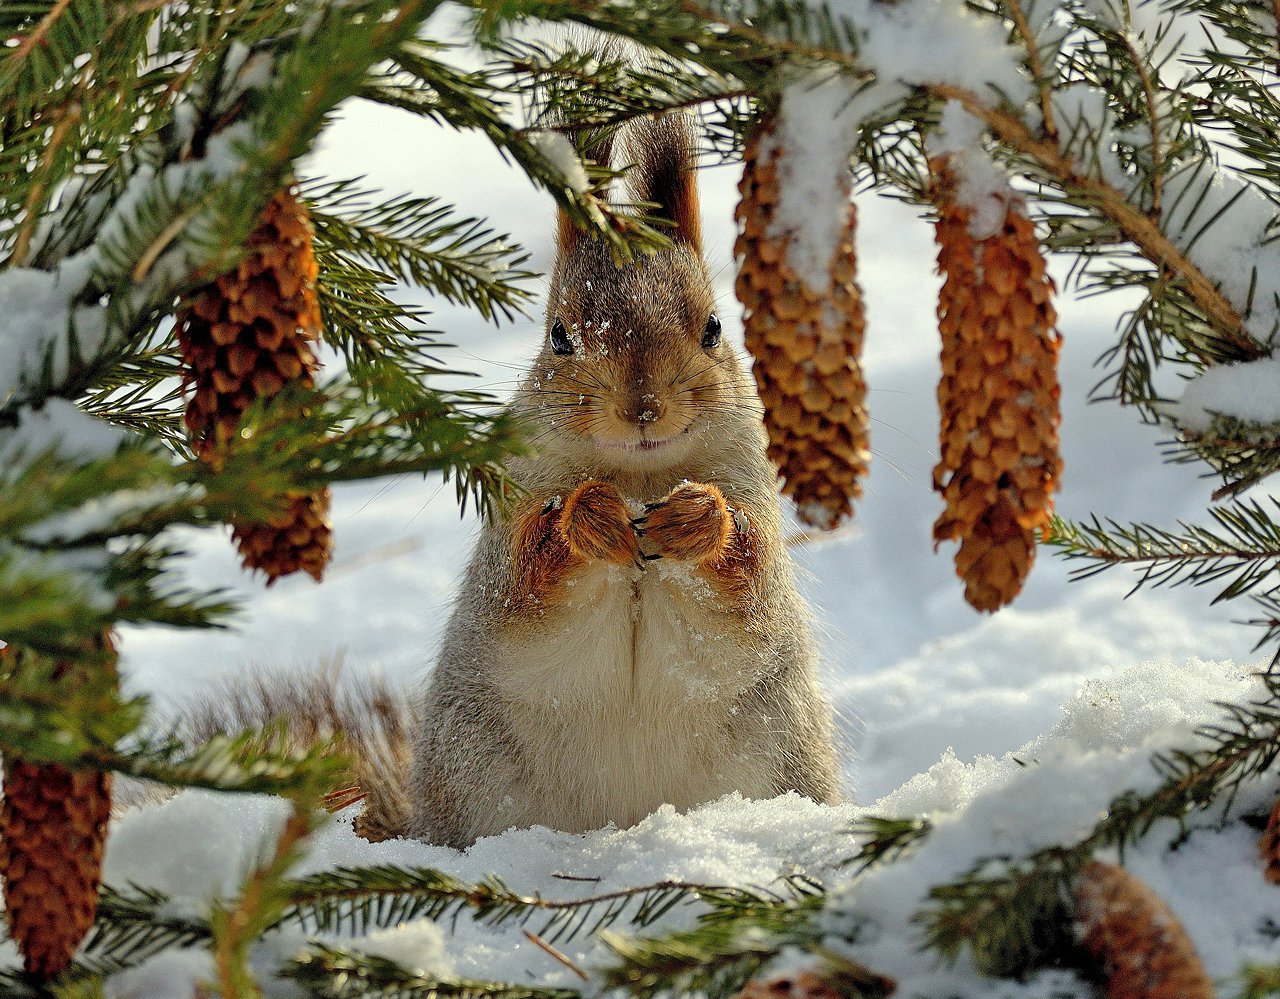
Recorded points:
1249,392
900,42
62,426
1226,226
1053,789
560,153
814,136
981,184
43,320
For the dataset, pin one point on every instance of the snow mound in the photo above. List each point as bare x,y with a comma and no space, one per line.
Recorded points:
198,844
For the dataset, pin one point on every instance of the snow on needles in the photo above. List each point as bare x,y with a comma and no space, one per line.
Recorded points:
197,845
1249,392
559,152
45,326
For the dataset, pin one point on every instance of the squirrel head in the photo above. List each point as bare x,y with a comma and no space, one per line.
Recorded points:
633,366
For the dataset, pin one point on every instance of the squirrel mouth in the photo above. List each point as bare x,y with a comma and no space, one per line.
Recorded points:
645,444
635,445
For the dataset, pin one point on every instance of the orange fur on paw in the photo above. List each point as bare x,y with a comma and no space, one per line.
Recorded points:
693,524
596,523
541,559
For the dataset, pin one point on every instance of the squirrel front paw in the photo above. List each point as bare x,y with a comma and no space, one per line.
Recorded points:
596,522
693,523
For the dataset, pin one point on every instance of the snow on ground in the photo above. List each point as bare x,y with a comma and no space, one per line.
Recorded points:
932,698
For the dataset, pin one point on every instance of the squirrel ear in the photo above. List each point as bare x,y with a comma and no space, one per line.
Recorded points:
664,174
596,146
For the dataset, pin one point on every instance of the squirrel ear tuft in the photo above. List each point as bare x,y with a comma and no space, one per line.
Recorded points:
663,150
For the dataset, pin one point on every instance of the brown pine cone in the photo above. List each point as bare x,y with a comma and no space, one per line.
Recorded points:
301,537
806,346
998,395
1134,942
53,830
244,336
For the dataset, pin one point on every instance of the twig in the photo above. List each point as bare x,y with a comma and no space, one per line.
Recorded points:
1037,68
38,33
1153,123
538,942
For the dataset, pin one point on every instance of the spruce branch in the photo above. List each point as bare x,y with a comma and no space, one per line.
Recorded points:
236,925
133,925
423,85
1035,62
1258,981
421,240
732,942
336,973
1242,553
356,900
884,840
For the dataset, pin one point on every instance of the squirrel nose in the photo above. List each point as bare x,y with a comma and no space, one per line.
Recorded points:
648,408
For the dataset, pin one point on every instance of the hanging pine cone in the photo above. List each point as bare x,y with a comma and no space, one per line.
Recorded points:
998,395
53,829
1134,942
806,346
244,336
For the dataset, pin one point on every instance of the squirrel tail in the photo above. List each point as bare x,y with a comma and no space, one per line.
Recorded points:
371,722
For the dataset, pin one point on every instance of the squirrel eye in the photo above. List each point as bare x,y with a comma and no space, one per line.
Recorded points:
560,342
711,335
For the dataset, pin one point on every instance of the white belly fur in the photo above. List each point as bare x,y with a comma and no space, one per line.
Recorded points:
626,696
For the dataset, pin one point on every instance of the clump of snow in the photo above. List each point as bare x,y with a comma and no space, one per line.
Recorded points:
559,152
981,184
814,135
1226,227
44,322
1249,392
936,41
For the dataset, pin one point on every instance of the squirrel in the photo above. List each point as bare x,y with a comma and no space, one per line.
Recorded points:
629,633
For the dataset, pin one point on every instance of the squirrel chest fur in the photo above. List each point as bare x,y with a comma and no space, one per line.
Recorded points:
630,634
